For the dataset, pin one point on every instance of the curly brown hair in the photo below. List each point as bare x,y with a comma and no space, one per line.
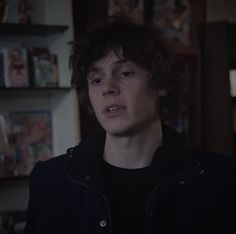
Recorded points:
140,44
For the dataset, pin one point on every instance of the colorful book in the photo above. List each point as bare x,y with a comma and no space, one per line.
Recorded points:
16,72
132,10
30,141
173,17
16,11
44,68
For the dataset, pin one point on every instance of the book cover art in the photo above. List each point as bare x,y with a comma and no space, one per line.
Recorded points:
128,9
29,141
25,8
44,68
16,11
10,11
16,72
173,17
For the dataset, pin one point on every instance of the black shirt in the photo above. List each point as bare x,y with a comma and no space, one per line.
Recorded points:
127,191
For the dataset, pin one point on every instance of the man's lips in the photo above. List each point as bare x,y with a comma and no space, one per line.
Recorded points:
114,108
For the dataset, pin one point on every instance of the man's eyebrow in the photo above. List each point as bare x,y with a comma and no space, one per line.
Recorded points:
97,69
93,69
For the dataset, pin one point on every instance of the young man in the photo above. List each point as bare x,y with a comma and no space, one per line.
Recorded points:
135,174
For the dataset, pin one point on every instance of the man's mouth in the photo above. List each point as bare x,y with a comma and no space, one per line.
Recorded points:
113,108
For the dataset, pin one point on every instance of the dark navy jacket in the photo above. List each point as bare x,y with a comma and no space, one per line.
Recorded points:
193,192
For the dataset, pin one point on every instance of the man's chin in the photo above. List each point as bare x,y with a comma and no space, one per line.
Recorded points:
120,132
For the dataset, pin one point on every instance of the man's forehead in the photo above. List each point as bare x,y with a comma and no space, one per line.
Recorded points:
111,58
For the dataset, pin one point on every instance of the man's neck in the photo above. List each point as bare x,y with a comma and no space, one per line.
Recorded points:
134,151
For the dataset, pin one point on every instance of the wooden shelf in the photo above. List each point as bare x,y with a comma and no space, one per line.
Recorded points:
13,178
33,91
30,29
6,181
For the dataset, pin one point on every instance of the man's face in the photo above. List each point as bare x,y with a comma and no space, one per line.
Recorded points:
121,96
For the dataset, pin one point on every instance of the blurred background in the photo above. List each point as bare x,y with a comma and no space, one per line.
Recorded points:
40,115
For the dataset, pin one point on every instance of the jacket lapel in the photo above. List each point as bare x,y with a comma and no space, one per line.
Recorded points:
174,168
84,162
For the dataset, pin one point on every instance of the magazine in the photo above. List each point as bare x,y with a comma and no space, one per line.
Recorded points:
173,17
29,141
15,67
43,67
132,10
16,11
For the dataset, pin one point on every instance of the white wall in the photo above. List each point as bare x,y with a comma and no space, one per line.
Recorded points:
64,107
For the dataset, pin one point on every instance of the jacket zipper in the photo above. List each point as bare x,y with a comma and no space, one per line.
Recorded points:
99,192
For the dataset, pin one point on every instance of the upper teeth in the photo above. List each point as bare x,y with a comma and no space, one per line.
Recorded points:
114,108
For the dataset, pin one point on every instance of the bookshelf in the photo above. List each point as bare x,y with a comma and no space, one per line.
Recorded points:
31,29
5,92
52,28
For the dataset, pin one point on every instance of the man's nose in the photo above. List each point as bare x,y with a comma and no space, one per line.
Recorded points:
111,87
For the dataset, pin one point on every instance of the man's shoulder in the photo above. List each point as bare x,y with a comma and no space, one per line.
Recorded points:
189,156
88,149
208,155
214,160
50,168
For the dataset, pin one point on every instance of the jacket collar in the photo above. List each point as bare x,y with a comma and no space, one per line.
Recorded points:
84,161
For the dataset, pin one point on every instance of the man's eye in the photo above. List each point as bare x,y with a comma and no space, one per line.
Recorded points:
95,81
126,74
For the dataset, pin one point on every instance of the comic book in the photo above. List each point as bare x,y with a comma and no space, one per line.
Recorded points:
29,141
16,72
130,9
16,11
43,68
173,17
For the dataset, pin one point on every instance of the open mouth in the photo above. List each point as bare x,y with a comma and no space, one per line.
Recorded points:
113,108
